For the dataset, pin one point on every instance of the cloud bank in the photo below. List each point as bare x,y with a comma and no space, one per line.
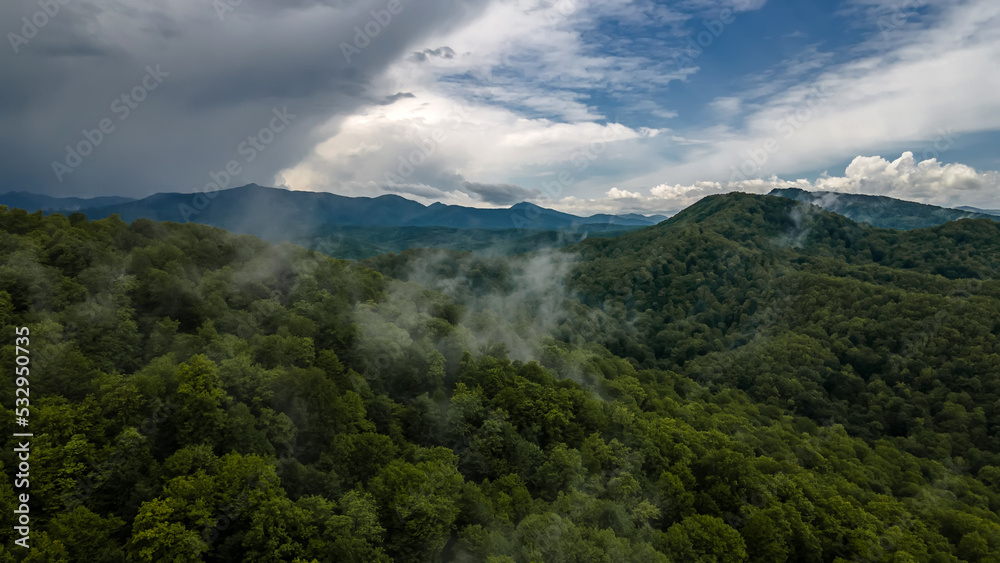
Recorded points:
927,181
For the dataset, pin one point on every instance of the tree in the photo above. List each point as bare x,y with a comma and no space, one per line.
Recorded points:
419,503
704,539
200,416
87,536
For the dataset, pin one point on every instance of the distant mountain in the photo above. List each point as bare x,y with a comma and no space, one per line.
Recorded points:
881,211
36,202
351,227
977,210
631,219
282,214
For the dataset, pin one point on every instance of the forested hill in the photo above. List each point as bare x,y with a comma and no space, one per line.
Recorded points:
884,212
892,334
782,385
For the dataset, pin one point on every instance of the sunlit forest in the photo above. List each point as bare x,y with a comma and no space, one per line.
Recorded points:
752,380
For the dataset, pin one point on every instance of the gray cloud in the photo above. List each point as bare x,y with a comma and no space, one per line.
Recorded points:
389,100
500,194
223,80
440,52
419,190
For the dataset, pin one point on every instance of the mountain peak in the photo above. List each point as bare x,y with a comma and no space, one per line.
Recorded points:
527,205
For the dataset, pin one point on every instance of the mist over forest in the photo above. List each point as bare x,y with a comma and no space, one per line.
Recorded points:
755,379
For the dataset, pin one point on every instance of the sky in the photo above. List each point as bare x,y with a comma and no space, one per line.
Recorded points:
578,105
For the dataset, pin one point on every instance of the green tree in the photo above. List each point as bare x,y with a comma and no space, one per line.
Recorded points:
419,503
200,416
704,539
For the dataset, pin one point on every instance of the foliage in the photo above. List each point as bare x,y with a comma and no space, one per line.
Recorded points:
753,380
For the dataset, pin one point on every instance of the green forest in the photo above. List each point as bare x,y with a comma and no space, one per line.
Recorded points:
752,380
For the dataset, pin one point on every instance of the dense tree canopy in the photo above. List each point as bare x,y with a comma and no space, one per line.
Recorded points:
753,380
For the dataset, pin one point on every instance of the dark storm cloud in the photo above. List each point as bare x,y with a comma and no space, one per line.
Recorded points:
389,100
440,52
221,76
415,189
500,194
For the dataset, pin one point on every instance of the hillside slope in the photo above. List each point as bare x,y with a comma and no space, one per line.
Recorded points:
881,211
806,310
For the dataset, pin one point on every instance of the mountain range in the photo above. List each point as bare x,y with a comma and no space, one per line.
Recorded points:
260,210
34,202
362,227
351,227
978,210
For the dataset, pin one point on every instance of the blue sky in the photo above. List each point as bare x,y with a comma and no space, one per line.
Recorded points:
581,105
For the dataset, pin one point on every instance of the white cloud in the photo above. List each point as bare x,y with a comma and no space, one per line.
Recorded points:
665,114
726,106
522,69
429,140
592,206
521,116
902,89
927,181
528,114
615,193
